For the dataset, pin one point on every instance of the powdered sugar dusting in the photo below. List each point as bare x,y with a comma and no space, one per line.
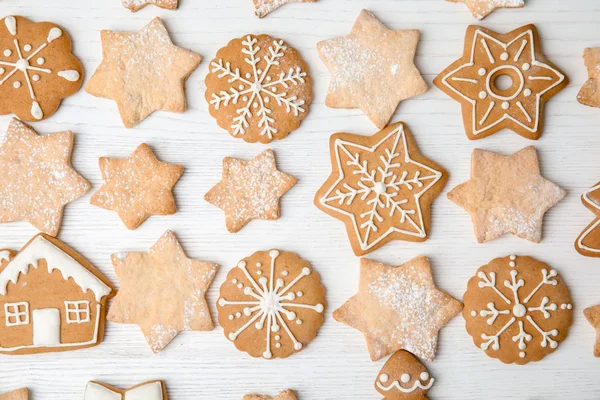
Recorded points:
481,8
135,5
264,7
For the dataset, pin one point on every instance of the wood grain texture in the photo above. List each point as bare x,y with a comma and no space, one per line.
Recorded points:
205,365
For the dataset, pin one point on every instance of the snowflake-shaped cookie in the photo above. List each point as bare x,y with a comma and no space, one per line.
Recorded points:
258,88
37,68
271,304
517,309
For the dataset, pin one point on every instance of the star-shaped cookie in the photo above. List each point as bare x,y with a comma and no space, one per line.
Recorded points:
506,194
162,291
143,72
20,394
264,7
285,395
250,190
589,94
592,314
372,68
398,308
135,5
481,8
36,177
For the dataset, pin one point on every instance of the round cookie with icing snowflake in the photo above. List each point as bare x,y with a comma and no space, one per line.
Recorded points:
517,309
258,88
37,68
271,304
403,377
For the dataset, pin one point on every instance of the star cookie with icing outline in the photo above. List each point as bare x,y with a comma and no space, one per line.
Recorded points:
138,186
372,68
20,394
143,72
136,5
398,308
592,314
250,190
506,194
36,177
475,82
589,94
263,7
285,395
162,291
482,8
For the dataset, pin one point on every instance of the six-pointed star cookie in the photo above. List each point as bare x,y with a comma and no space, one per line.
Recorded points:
592,314
285,395
481,8
36,177
506,194
20,394
138,186
143,72
476,81
398,308
589,94
162,291
264,7
135,5
381,187
372,68
250,190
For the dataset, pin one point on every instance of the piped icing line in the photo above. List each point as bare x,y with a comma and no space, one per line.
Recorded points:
396,385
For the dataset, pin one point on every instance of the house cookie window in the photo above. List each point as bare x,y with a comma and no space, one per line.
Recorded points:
16,313
77,312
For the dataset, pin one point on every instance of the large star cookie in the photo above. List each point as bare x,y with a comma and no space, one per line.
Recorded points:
398,308
250,190
285,395
403,377
372,68
153,390
264,7
481,8
135,5
588,242
506,194
36,177
138,186
143,72
592,314
589,94
162,291
381,187
20,394
479,80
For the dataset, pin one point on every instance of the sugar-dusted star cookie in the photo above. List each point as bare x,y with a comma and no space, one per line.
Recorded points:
592,314
506,194
153,390
135,5
285,395
162,291
372,68
589,94
398,308
264,7
588,242
20,394
502,81
250,190
481,8
143,72
403,377
138,186
36,177
381,187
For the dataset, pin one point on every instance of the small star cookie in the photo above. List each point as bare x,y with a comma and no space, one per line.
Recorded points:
143,72
135,5
588,242
481,8
20,394
138,186
162,291
589,94
285,395
592,314
403,377
506,194
264,7
372,68
154,390
398,308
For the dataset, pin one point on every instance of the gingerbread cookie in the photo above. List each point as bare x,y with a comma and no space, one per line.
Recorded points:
481,8
135,5
592,314
250,190
258,88
36,177
285,395
475,80
162,291
589,94
372,68
403,377
588,242
398,308
381,187
153,390
506,194
20,394
37,68
264,7
138,186
271,304
143,72
51,299
512,325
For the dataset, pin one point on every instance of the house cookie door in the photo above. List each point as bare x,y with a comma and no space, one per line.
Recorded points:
46,327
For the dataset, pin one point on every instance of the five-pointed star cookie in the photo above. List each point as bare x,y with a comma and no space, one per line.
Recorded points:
506,194
143,72
138,186
162,291
481,8
372,68
592,314
20,394
250,190
589,94
398,308
135,5
285,395
36,177
264,7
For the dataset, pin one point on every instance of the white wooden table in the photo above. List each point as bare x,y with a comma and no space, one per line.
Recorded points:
205,365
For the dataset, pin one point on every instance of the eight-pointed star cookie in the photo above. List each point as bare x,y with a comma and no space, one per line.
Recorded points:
398,308
143,72
20,394
476,82
589,94
138,186
592,314
381,187
264,7
506,194
481,8
135,5
36,177
285,395
372,68
162,291
250,190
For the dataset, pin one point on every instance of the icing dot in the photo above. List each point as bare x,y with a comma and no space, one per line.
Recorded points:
384,378
405,378
473,313
259,71
238,314
299,294
232,336
522,354
234,281
231,317
277,337
563,306
274,89
7,53
268,79
512,264
242,264
297,345
424,376
481,71
241,87
17,84
504,56
569,306
299,322
240,286
41,61
1,71
319,308
259,272
277,345
255,104
519,310
285,273
27,47
482,94
245,98
526,66
505,105
247,290
248,75
513,257
258,265
267,354
267,100
527,92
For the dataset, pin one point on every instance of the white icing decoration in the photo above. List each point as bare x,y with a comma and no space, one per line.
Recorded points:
70,75
384,378
77,312
1,70
482,94
17,84
95,391
7,53
404,379
424,376
35,78
16,313
41,60
27,47
586,199
46,327
4,255
11,25
482,71
504,56
36,111
54,34
146,391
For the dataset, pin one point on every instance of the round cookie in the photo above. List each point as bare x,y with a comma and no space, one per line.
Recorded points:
403,377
